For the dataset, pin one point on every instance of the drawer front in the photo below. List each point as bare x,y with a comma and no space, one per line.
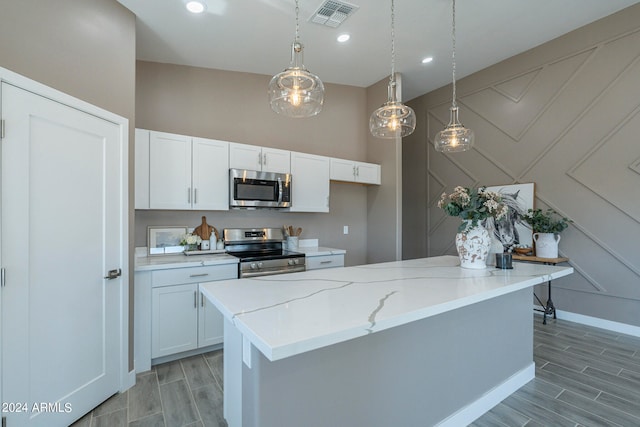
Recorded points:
324,261
209,273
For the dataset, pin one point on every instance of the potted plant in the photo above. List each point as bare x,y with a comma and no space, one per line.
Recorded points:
473,206
546,226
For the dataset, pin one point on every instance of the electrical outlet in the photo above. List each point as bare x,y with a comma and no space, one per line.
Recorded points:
345,230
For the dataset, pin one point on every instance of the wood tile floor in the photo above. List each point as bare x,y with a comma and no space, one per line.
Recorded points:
584,377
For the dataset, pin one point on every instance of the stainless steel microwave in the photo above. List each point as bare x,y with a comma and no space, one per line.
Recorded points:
255,189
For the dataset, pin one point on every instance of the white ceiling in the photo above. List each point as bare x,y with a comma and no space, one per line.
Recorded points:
255,36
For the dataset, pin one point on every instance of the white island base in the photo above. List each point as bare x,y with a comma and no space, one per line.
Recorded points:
446,367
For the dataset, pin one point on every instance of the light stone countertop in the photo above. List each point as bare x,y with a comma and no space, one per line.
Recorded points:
311,251
164,262
289,314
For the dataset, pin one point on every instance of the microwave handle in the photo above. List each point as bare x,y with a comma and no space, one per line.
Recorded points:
280,190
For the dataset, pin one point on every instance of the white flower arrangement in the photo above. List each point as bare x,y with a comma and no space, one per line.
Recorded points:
190,239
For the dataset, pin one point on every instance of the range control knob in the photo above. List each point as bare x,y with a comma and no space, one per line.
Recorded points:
253,266
260,265
290,262
296,261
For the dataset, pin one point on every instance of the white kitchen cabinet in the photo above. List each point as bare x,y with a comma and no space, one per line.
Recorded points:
253,157
141,169
324,261
210,174
309,183
169,171
172,317
353,171
187,173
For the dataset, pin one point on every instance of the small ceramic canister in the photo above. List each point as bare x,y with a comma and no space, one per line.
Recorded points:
205,245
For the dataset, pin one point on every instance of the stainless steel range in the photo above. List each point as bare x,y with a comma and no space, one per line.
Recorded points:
261,252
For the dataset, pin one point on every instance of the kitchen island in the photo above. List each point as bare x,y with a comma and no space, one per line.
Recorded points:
418,342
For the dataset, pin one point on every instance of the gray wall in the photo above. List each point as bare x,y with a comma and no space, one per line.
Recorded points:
564,115
233,106
83,48
384,202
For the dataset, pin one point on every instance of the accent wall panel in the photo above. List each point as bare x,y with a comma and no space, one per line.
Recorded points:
565,115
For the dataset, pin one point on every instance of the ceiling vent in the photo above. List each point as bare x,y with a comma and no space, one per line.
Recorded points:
332,13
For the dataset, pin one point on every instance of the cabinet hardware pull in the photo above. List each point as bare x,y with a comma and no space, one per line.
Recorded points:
195,195
199,275
189,195
195,299
201,300
326,262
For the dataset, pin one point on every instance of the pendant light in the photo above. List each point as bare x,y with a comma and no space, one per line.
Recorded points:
296,92
393,119
455,137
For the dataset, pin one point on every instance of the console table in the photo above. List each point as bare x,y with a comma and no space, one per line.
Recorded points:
548,308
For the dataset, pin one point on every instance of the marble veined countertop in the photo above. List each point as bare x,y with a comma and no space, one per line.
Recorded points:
312,251
164,262
289,314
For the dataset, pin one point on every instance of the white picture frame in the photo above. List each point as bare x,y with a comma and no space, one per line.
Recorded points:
513,230
165,240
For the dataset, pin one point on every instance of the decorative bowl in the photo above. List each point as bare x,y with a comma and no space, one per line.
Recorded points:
523,251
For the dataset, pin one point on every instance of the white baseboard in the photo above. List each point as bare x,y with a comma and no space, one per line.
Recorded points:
473,411
609,325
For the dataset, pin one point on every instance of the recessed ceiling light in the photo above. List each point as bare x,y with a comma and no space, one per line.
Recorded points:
343,38
195,7
427,59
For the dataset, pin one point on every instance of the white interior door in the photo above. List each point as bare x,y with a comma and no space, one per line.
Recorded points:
62,228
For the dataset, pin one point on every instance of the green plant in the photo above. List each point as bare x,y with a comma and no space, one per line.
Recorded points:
474,205
548,221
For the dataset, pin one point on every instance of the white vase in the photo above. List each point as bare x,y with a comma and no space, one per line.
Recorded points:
546,244
473,247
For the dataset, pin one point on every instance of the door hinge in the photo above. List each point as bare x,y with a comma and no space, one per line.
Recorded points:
1,277
2,133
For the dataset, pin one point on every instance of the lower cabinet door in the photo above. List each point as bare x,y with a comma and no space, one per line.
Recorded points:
210,324
174,324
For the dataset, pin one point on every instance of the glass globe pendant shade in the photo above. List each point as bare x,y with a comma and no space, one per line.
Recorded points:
296,92
393,119
455,137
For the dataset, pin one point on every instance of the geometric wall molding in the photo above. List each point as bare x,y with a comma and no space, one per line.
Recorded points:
517,87
514,104
567,120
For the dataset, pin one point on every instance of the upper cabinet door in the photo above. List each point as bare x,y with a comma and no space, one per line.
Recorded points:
243,156
343,170
255,158
169,171
210,174
142,169
309,183
368,173
275,160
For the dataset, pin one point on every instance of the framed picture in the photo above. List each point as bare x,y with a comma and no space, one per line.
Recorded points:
512,230
165,240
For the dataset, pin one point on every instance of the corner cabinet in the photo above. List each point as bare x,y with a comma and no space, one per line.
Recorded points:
173,319
253,157
309,183
353,171
181,172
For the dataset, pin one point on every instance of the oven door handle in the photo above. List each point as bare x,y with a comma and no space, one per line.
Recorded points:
280,191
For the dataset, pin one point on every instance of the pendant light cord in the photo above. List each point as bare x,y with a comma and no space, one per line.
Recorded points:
453,54
297,22
393,44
